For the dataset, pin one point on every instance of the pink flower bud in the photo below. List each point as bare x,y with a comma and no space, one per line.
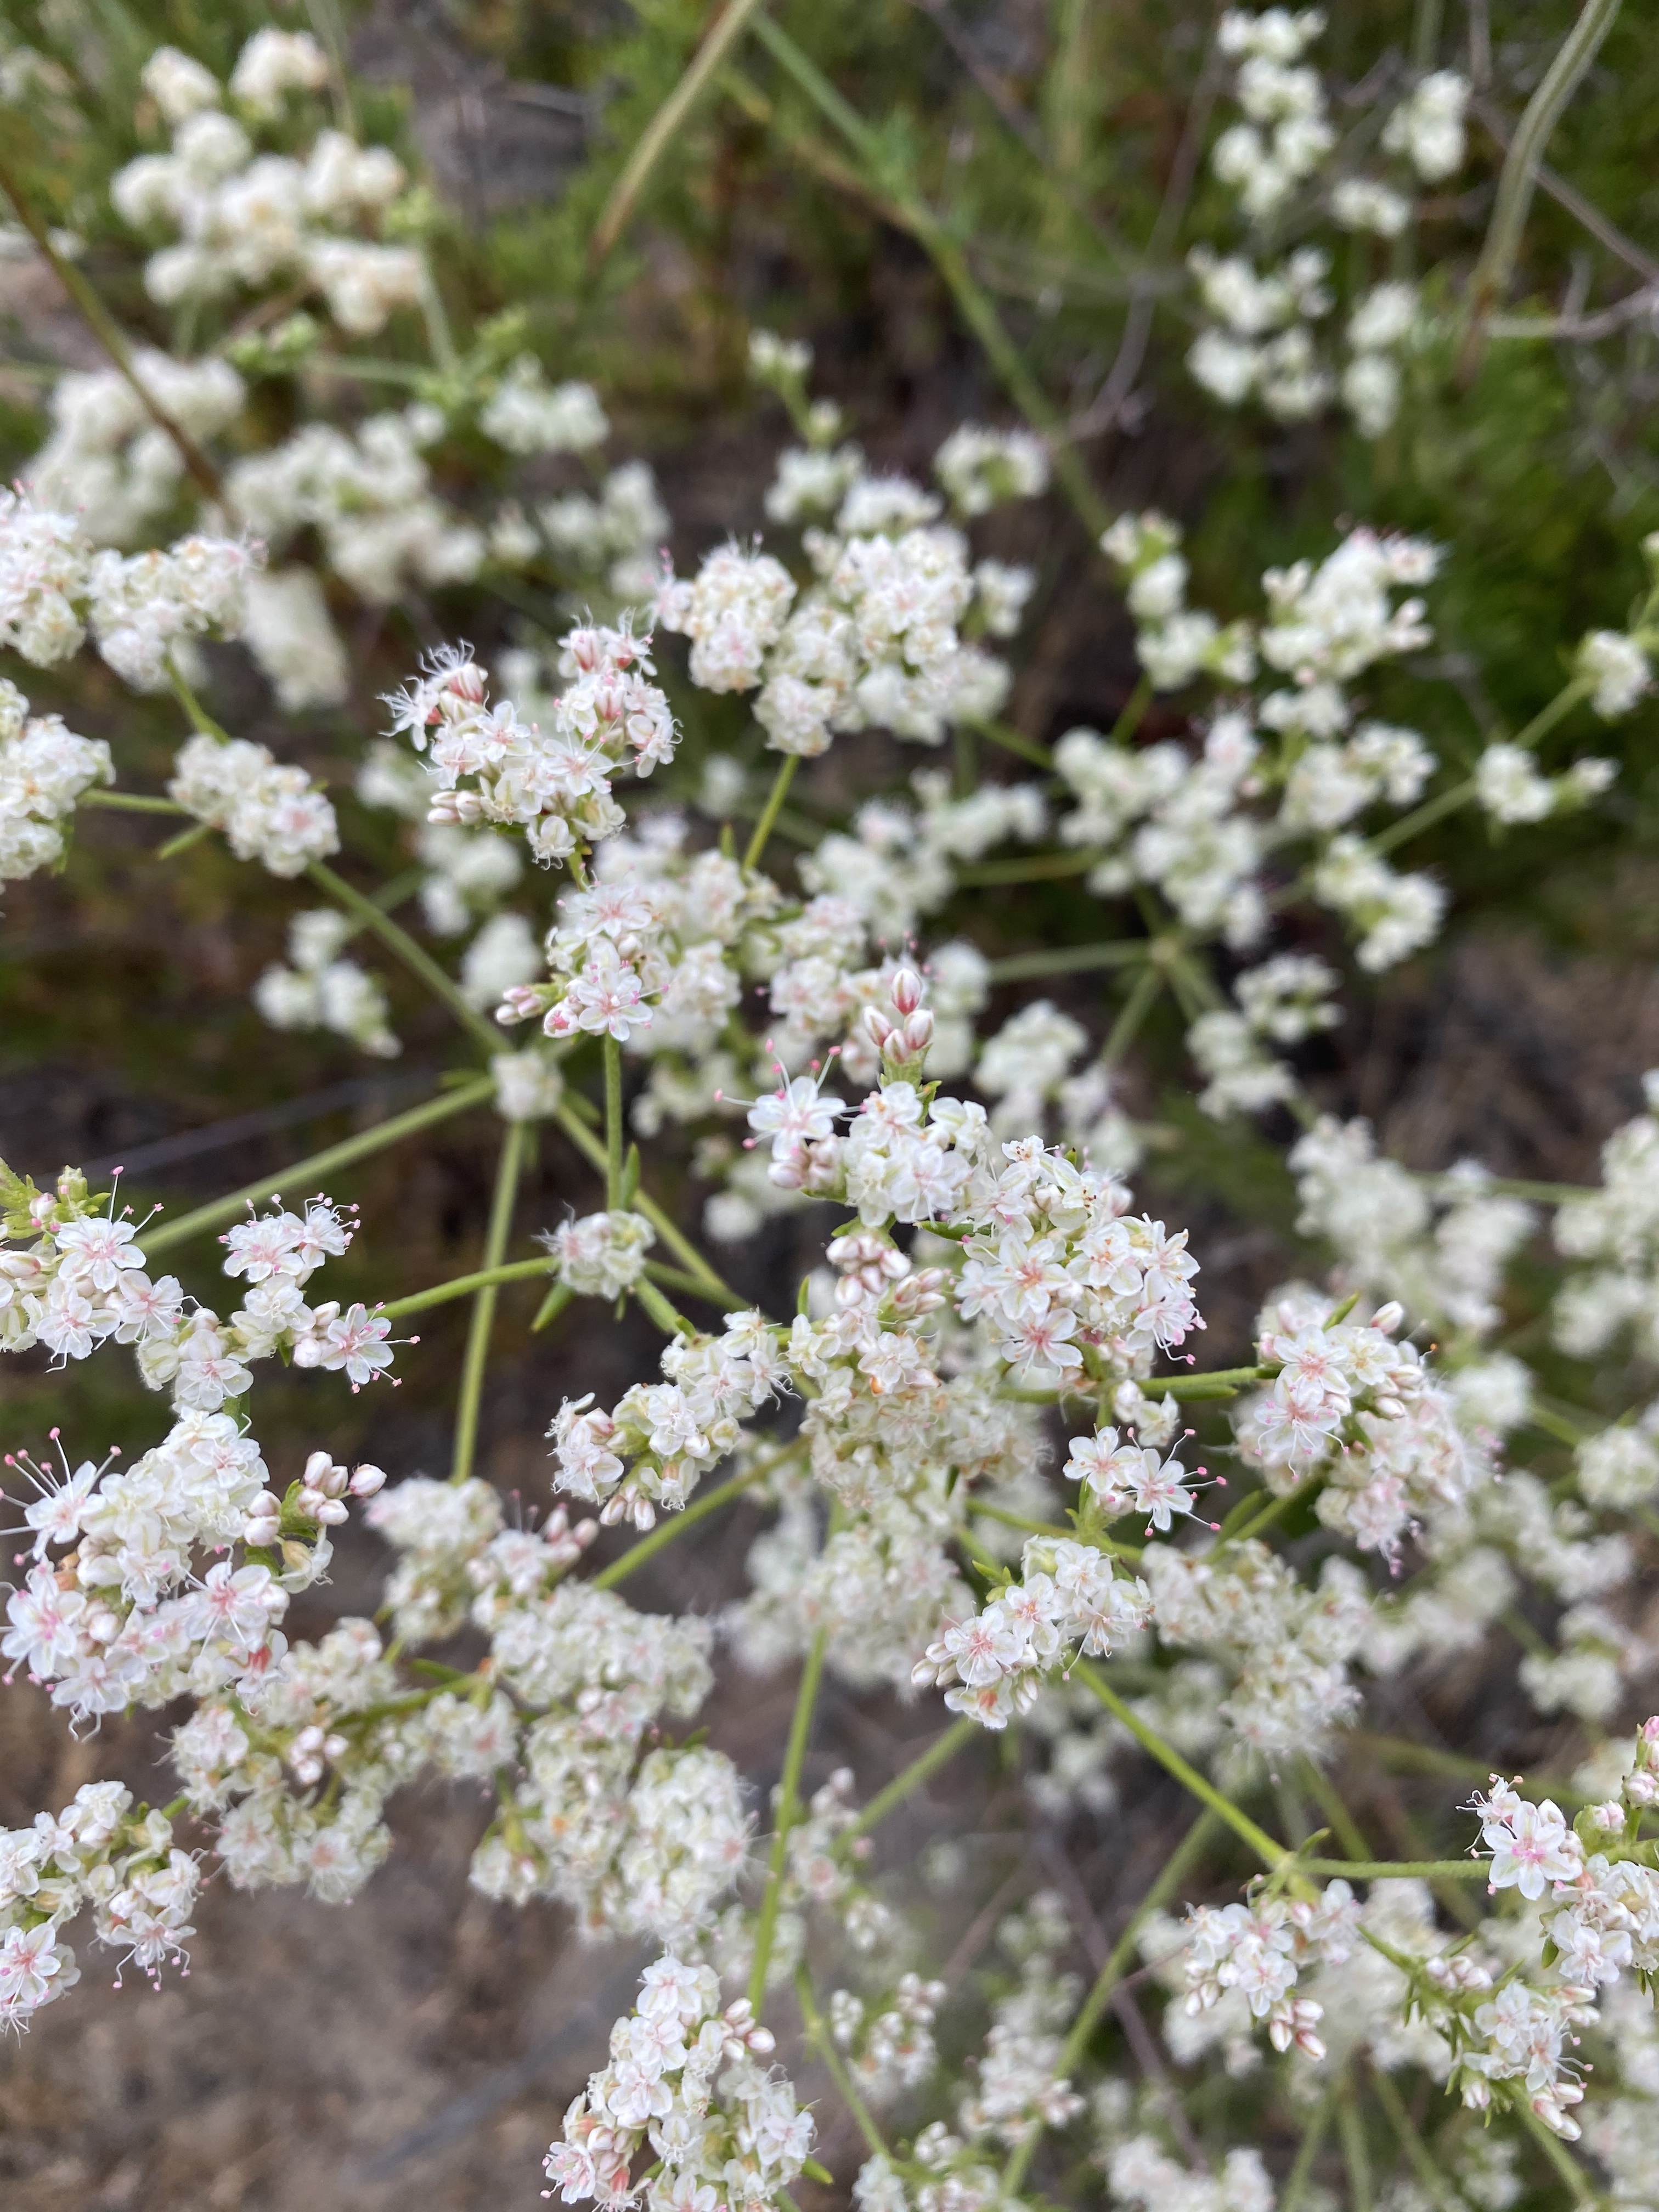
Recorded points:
906,990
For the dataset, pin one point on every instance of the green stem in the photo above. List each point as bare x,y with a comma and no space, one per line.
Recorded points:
1546,717
1276,1509
613,1123
1047,867
1296,2184
1440,2190
718,41
1402,1870
674,1525
514,1145
415,957
594,1153
1422,817
1133,708
1496,264
1180,1863
105,328
794,1760
1351,2126
939,1752
1273,1855
1136,1007
818,2034
1217,1382
974,305
695,1286
550,1307
774,799
462,1286
1013,741
669,1319
1068,960
200,721
458,1101
131,802
184,841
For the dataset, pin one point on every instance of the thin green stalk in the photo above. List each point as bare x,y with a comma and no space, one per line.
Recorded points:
1046,868
551,1307
939,1752
1216,1382
594,1153
105,328
613,1123
1329,1800
1442,2191
1496,264
415,957
947,256
1547,716
515,1143
1012,741
1133,708
1296,2184
774,806
200,721
1136,1007
672,1526
460,1100
818,2034
1423,817
184,841
669,1319
1068,960
462,1286
1402,1870
794,1760
131,802
1556,2152
1351,2126
717,42
1180,1862
1276,1509
695,1286
1273,1855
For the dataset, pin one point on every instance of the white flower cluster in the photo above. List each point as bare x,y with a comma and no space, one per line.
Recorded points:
1356,1411
320,990
876,641
1068,1599
1260,1948
683,2080
1282,1001
1614,1227
44,768
108,461
1263,341
526,414
269,811
54,585
602,1254
81,1280
368,493
1288,1645
487,765
244,219
97,1852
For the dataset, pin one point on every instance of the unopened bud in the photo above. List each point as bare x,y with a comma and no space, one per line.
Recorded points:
1387,1318
877,1026
919,1030
906,990
367,1479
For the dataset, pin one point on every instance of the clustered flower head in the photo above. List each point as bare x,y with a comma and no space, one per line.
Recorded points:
556,783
